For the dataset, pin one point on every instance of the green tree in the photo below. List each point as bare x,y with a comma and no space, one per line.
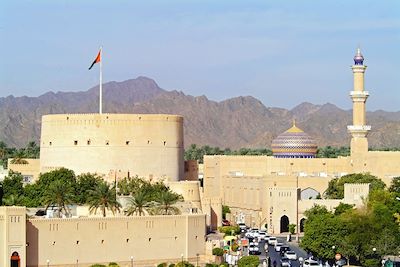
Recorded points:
12,185
165,203
13,200
249,261
292,228
225,210
18,157
65,176
33,195
85,183
59,194
342,208
139,203
395,186
322,230
32,150
336,186
103,197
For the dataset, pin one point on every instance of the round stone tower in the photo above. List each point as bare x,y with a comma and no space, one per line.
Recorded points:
147,145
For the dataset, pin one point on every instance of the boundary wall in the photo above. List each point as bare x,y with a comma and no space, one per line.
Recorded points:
84,241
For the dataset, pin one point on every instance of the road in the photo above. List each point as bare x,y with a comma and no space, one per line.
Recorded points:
276,256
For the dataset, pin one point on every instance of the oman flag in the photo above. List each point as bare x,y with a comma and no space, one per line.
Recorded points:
97,60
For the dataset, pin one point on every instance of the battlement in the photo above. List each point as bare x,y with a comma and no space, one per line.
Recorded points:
114,117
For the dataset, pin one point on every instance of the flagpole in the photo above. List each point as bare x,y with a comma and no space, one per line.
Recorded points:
101,80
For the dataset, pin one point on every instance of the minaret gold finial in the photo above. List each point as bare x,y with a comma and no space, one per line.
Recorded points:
294,122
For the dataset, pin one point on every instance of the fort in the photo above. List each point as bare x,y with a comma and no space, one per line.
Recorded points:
260,190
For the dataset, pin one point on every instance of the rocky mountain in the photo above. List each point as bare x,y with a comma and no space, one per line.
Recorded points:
234,123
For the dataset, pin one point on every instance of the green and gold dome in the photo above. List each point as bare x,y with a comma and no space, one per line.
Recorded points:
294,143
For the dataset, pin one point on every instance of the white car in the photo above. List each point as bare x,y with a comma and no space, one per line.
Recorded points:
291,255
272,240
254,243
285,262
278,247
310,262
254,250
262,235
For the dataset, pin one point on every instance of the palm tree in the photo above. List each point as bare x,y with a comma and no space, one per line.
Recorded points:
13,200
139,203
32,150
165,201
59,194
103,197
18,157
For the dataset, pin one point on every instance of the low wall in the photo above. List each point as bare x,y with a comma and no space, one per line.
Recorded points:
85,241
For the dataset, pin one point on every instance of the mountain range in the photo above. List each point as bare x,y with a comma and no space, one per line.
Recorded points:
233,123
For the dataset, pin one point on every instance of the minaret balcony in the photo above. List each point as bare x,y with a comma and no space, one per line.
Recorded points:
358,128
359,93
359,96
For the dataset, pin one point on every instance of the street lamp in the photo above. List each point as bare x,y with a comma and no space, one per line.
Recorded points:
48,262
182,260
131,261
197,259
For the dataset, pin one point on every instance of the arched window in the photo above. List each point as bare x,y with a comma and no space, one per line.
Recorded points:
15,260
302,221
309,193
284,224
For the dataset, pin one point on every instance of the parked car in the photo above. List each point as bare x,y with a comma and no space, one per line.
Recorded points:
272,240
283,249
262,235
291,255
278,247
285,262
254,250
254,242
225,223
310,262
242,227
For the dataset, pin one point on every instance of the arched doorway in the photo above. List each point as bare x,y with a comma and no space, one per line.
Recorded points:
284,224
302,221
15,259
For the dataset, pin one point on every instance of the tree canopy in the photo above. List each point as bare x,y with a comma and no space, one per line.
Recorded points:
336,186
347,229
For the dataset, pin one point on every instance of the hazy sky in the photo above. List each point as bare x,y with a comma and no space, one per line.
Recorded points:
282,52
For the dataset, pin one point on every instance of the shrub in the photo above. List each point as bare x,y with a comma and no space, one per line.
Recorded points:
218,251
171,265
113,264
163,264
228,230
184,264
98,265
249,261
211,265
292,228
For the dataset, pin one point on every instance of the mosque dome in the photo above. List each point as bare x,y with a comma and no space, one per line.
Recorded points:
294,143
358,58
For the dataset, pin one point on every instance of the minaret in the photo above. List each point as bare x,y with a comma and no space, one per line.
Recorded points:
359,129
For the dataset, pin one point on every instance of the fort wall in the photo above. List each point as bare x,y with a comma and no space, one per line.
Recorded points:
86,241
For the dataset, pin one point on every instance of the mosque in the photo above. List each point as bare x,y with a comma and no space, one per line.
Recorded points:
262,191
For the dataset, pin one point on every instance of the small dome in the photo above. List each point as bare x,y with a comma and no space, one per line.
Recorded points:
358,58
294,143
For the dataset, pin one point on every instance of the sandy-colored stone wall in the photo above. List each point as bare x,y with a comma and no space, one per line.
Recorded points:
12,234
30,169
148,145
86,241
189,190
